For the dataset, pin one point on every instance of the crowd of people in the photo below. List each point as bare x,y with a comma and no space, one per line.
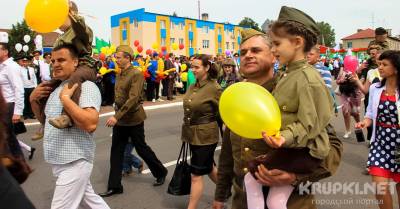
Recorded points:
65,90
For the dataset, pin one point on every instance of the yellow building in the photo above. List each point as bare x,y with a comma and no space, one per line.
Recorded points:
197,36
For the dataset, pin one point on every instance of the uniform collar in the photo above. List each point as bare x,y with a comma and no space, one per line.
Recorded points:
202,83
295,65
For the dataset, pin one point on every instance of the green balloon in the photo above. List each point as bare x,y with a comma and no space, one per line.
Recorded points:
191,78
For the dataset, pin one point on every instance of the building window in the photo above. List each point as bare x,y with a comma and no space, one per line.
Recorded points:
172,25
181,26
135,23
162,24
190,43
172,40
181,41
190,27
219,31
349,44
163,42
233,45
124,31
206,44
227,45
205,29
219,45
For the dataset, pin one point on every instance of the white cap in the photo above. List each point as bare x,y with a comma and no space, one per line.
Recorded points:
4,37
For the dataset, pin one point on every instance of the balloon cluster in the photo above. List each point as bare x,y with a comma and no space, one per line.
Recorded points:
19,47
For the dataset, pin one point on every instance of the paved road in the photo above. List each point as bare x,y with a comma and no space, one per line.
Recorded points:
163,135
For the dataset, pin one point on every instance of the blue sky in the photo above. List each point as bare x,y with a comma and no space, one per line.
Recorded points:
346,16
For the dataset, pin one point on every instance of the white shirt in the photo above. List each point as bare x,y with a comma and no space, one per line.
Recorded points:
12,85
31,81
45,71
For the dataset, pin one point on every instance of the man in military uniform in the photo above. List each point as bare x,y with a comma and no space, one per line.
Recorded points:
128,122
380,39
257,66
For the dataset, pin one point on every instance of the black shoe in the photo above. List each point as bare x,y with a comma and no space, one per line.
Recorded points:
31,153
160,180
111,192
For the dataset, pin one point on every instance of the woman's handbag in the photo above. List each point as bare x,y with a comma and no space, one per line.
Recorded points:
181,179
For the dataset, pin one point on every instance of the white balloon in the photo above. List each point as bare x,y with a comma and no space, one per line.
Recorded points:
18,47
25,48
39,37
27,38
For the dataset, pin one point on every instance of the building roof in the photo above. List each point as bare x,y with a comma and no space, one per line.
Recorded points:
361,34
48,38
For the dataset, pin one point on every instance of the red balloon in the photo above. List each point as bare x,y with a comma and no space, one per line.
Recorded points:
164,48
148,52
140,49
102,57
181,46
136,43
167,56
350,63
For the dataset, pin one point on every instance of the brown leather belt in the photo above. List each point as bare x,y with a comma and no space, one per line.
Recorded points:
203,120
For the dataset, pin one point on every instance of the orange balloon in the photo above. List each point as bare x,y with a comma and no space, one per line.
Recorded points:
45,16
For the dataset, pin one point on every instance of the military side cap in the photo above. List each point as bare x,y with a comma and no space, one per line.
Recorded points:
293,14
248,33
228,62
125,48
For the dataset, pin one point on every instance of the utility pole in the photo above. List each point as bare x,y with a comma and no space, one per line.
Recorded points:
198,5
373,21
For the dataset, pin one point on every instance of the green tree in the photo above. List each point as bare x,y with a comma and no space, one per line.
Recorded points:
16,35
327,36
250,23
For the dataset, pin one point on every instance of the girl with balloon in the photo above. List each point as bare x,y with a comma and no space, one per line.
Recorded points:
306,108
350,93
80,36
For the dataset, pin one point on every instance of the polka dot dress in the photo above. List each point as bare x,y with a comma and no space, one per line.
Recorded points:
381,155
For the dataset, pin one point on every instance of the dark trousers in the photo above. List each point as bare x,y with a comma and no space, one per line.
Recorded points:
120,137
27,108
152,89
170,93
12,141
165,86
109,93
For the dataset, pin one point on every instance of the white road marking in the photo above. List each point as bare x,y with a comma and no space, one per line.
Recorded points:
152,107
147,171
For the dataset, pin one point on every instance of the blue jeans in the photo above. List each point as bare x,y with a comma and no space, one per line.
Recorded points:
130,159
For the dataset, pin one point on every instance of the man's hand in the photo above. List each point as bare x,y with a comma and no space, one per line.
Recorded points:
274,177
40,92
16,118
218,205
111,121
273,141
67,92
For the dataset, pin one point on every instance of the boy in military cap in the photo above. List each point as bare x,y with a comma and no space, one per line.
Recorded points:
380,39
306,107
78,34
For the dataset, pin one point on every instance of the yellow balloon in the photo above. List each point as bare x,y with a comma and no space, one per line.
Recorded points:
248,109
155,46
184,77
183,67
103,50
113,48
175,46
45,16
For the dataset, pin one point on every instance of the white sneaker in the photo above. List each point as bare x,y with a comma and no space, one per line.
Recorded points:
347,135
160,100
154,100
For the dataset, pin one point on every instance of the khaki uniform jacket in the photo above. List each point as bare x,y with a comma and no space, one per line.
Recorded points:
79,34
384,45
200,105
129,89
306,108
